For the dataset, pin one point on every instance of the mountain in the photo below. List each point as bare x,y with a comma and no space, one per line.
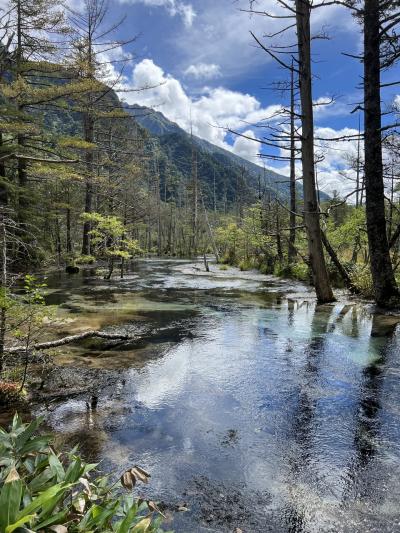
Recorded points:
232,175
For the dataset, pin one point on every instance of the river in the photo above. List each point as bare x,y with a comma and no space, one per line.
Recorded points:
250,406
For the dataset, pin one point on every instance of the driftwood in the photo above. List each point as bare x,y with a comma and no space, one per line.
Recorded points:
74,338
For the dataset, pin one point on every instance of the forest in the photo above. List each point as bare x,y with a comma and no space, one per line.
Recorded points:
103,201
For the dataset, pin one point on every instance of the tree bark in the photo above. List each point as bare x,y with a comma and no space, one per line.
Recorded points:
3,186
335,260
89,137
292,220
311,208
384,283
74,338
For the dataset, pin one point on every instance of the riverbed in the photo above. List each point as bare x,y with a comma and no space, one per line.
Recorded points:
250,406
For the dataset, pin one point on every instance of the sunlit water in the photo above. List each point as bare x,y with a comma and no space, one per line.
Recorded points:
256,408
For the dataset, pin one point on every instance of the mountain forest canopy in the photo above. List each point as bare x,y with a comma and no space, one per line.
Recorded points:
101,183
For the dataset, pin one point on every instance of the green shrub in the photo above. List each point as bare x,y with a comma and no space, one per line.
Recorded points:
223,267
85,260
301,272
248,264
244,264
362,279
42,490
295,271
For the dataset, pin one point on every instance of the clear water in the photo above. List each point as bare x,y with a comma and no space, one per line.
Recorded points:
255,408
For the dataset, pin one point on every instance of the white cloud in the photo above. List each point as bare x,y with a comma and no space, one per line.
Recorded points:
248,148
205,71
334,172
208,116
221,33
219,108
174,8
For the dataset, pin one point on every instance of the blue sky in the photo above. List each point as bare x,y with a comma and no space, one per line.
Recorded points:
212,75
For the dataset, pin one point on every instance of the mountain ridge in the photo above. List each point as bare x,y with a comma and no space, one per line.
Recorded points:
258,178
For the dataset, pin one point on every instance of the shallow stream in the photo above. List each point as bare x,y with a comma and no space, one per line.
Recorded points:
250,406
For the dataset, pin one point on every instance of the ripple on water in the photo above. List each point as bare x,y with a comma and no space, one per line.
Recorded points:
267,413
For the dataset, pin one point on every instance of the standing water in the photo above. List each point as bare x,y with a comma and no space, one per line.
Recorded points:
251,407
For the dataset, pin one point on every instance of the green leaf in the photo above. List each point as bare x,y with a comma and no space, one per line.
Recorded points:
126,524
36,444
142,526
27,433
56,467
19,523
55,519
43,499
74,471
10,499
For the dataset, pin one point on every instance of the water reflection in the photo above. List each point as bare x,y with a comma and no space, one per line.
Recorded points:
301,460
271,415
367,425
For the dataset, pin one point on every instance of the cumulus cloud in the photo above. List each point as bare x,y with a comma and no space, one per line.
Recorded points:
221,33
174,8
248,147
208,116
334,172
219,109
205,71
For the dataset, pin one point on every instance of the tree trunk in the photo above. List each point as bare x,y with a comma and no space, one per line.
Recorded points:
3,278
335,260
68,231
292,220
384,283
3,186
89,137
311,209
74,338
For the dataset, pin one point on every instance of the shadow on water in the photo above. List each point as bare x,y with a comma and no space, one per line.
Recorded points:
246,401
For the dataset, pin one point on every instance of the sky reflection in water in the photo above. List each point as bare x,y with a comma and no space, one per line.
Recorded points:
275,416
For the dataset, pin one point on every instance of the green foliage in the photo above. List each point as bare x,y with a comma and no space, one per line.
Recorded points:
43,490
344,237
248,264
362,279
28,313
85,259
298,270
108,236
240,244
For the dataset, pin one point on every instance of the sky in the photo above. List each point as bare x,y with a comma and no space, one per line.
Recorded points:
207,73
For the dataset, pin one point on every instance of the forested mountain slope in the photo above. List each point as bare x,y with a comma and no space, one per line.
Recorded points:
233,175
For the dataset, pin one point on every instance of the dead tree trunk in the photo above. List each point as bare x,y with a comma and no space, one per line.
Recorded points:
384,283
292,220
335,260
311,209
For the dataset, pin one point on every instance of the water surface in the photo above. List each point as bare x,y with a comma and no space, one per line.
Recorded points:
246,402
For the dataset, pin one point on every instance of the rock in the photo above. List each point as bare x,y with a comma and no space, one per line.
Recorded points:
70,269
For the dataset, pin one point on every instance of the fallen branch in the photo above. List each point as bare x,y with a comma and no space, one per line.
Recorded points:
74,338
